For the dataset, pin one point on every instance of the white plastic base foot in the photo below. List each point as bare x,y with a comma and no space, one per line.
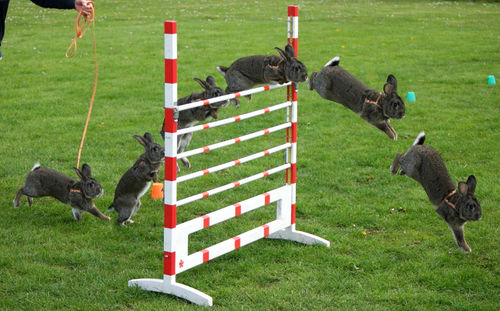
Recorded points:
291,234
180,290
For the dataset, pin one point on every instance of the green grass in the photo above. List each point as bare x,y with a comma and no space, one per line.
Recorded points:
443,51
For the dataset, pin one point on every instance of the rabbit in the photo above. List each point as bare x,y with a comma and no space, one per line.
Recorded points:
42,181
248,71
137,180
423,163
334,83
188,118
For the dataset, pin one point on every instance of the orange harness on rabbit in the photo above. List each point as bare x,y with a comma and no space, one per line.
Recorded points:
367,101
445,200
80,30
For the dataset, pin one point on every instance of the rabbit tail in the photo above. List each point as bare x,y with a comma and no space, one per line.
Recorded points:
333,62
37,165
420,139
222,70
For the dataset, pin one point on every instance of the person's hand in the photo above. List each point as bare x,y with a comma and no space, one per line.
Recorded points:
83,6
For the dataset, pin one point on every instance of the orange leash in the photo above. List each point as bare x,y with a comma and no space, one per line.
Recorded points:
80,30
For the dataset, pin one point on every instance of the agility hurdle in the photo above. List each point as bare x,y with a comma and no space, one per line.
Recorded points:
176,258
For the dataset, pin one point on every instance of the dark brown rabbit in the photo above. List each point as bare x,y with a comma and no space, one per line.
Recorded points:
42,181
334,83
248,71
188,118
137,180
423,163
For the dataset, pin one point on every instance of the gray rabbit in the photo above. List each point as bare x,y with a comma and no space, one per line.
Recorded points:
423,163
248,71
334,83
137,180
188,118
42,181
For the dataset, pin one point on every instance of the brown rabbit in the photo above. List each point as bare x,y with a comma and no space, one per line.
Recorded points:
335,83
188,118
423,163
248,71
42,181
137,180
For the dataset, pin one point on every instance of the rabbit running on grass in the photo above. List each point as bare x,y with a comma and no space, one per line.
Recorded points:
334,83
188,118
42,181
248,71
423,163
137,180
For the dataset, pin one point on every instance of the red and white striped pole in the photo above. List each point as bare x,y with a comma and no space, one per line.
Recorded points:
293,39
170,185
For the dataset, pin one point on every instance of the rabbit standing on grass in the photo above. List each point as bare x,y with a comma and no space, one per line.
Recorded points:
188,118
248,71
334,83
137,180
423,163
42,181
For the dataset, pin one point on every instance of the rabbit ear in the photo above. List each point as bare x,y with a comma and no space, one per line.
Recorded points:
290,51
388,88
140,139
202,83
392,80
78,173
211,81
148,137
282,53
86,171
471,183
463,188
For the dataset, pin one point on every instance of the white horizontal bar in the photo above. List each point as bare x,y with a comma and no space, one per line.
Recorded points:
233,119
233,163
231,96
234,140
227,246
232,185
228,212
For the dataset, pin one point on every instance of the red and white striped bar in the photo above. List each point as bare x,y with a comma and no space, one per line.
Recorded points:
234,184
234,140
245,116
233,210
231,244
231,96
233,163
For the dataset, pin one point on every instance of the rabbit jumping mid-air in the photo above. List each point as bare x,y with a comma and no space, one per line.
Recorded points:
423,163
188,118
334,83
248,71
42,181
137,180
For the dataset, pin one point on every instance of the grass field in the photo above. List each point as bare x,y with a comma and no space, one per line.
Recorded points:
389,249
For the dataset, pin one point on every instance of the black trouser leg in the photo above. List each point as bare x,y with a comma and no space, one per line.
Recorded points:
4,5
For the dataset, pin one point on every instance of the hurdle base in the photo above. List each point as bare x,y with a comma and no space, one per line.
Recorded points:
173,288
289,233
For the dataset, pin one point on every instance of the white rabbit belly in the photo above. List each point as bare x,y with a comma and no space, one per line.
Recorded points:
146,187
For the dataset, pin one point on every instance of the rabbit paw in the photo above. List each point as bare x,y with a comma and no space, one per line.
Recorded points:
186,163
